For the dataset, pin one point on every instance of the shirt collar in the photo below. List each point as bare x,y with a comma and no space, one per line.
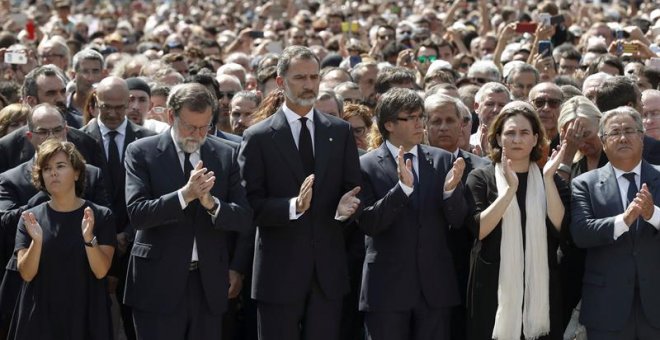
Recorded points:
292,116
104,129
637,170
395,149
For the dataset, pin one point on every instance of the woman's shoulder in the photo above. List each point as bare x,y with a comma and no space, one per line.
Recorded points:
98,209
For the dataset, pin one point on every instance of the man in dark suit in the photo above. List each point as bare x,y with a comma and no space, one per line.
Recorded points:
17,193
301,172
615,216
113,132
408,280
446,118
183,191
45,84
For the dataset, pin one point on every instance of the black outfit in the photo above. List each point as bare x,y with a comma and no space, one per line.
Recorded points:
571,265
482,288
64,300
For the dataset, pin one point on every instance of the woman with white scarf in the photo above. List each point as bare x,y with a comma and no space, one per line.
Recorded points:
519,211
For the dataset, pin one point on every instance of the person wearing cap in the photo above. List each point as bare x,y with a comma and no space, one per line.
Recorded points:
139,104
113,133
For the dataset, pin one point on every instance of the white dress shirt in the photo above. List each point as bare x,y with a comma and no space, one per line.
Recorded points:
620,226
119,138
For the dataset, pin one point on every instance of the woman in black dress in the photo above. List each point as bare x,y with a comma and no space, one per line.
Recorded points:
64,249
519,213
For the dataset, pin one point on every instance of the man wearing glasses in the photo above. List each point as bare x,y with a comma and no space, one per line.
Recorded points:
228,86
547,98
616,218
114,132
412,195
54,52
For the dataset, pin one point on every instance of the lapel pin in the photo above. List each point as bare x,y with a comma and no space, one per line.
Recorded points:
330,139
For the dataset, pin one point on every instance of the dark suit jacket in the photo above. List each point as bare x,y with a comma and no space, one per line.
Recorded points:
612,267
161,254
407,251
228,136
288,252
651,151
16,149
17,194
133,133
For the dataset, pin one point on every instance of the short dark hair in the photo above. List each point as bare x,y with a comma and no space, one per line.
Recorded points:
30,82
512,109
428,43
48,150
392,103
294,52
389,77
616,91
193,96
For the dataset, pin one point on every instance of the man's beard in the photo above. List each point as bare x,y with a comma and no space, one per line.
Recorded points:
187,144
300,101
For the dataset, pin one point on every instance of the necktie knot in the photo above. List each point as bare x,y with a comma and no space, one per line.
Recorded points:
112,134
303,120
630,176
408,156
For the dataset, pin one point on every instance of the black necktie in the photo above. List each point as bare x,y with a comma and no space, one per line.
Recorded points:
415,195
632,193
305,148
187,166
114,165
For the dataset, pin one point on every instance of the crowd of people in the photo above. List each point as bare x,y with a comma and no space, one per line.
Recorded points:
293,169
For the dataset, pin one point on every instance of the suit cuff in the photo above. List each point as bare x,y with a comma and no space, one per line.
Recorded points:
293,215
620,226
406,189
179,193
447,194
655,218
217,210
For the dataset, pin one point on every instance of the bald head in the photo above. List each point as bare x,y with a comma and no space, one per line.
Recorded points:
547,99
112,95
45,121
544,87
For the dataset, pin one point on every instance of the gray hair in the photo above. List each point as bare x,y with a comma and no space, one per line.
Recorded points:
87,54
578,106
360,69
294,52
327,94
436,100
521,68
44,106
620,111
347,85
249,95
487,67
193,96
489,88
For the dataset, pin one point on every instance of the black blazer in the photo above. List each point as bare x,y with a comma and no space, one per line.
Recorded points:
288,252
15,148
407,251
133,133
611,266
161,254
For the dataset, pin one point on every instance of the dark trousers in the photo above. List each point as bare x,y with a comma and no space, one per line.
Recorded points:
637,327
315,318
420,323
192,319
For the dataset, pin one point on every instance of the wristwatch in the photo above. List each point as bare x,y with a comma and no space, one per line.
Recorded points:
564,168
93,243
213,208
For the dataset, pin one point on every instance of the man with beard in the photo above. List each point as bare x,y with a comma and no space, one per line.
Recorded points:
113,133
301,172
243,106
139,103
46,84
184,193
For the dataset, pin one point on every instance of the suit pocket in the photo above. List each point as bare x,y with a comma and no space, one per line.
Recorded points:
145,251
594,279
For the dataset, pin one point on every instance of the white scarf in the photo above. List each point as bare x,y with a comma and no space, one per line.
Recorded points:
535,312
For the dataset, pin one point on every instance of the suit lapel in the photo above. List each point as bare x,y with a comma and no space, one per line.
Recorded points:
131,136
322,145
387,163
608,187
283,140
167,155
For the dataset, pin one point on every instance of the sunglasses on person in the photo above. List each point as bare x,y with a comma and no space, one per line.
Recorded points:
424,58
551,102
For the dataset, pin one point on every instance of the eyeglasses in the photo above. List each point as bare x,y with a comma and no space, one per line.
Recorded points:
386,37
114,108
479,80
229,95
616,134
424,58
360,131
464,65
47,132
414,119
541,102
158,109
651,115
188,128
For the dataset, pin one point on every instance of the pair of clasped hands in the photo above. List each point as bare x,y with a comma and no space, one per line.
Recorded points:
405,167
199,186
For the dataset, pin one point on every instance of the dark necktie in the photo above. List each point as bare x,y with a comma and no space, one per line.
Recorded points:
187,166
632,193
415,195
114,165
305,148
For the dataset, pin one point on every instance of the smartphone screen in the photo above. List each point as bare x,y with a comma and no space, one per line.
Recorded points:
545,48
